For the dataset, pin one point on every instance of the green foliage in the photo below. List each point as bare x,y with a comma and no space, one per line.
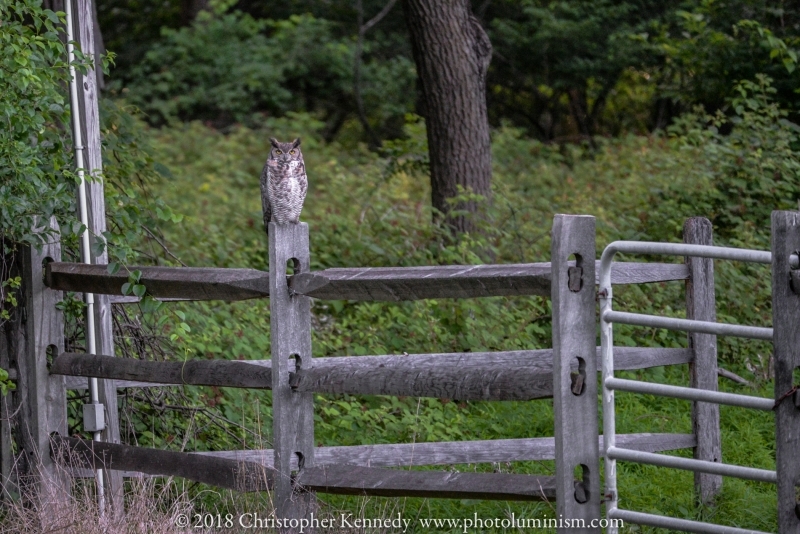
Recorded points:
711,45
574,55
35,176
742,175
227,68
134,215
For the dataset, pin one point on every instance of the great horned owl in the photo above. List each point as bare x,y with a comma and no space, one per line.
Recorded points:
283,183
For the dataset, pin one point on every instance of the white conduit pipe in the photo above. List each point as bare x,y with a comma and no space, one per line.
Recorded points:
85,247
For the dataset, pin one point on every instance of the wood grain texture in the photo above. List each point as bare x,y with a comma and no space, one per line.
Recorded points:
459,281
379,283
88,95
575,370
43,397
290,335
188,283
701,305
375,481
227,373
220,472
79,383
8,482
786,343
462,376
458,452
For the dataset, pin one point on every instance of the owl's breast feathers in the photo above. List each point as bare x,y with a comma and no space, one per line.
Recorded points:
285,190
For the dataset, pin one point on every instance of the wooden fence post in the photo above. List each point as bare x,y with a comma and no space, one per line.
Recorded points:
88,95
8,403
575,370
290,336
43,398
786,343
701,305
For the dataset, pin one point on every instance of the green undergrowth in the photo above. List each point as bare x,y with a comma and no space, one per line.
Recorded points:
366,209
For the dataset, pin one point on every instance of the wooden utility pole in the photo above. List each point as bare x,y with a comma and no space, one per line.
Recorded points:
89,107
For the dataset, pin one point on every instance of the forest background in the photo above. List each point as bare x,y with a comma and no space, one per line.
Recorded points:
641,113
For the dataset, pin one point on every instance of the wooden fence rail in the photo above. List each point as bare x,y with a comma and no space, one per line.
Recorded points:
221,472
359,284
457,452
499,376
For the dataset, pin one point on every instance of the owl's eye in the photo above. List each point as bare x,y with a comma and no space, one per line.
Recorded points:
293,152
278,152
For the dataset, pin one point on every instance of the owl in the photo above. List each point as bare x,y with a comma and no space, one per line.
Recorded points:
283,183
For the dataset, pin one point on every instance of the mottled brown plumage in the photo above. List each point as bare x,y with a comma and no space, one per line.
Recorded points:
283,183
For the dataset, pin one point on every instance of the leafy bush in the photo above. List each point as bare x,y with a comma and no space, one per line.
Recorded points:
742,175
35,176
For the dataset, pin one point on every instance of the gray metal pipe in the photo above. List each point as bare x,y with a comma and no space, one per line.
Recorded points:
684,525
690,464
702,395
688,325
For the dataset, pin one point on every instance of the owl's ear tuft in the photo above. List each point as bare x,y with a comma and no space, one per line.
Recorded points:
274,142
296,143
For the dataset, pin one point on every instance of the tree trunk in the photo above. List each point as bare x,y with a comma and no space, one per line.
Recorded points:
452,53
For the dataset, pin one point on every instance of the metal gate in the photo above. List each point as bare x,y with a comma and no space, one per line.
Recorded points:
610,384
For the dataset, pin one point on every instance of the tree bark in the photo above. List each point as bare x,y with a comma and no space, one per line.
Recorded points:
452,53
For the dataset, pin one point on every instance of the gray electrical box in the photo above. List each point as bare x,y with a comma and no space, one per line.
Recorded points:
94,417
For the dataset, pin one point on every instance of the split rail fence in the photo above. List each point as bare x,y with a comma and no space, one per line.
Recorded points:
294,470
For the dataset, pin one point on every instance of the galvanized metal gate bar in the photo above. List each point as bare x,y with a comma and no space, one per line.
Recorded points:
610,384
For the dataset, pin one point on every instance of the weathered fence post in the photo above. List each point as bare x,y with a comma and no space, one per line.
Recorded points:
89,95
786,342
8,484
575,370
39,333
701,305
290,336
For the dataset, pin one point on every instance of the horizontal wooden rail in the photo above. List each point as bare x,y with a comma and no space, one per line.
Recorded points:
376,481
338,479
186,283
442,453
379,283
221,472
458,281
457,452
514,375
228,373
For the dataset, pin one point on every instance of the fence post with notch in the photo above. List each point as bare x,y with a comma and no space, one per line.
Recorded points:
701,305
786,343
290,337
38,334
575,370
